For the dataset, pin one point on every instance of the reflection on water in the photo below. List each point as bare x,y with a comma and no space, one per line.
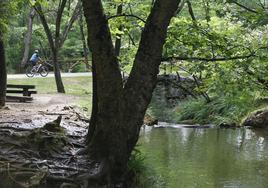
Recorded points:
204,158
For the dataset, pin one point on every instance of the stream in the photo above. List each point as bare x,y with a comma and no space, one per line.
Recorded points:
182,157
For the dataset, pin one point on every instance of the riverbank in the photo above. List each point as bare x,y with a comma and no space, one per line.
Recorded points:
220,111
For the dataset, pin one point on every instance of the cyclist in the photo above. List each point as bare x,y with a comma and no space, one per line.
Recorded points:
35,58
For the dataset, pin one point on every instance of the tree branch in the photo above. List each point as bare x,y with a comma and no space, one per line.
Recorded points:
191,12
244,7
126,15
61,7
43,20
28,37
181,5
261,4
118,39
69,25
178,58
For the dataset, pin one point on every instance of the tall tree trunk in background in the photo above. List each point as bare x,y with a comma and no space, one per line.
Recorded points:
121,109
57,73
3,75
118,36
55,52
83,38
28,39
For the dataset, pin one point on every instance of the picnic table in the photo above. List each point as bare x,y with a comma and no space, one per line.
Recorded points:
25,90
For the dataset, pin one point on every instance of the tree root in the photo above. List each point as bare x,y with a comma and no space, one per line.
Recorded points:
43,156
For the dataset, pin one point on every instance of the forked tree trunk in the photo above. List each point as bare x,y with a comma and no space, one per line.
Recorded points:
59,38
121,110
54,48
3,75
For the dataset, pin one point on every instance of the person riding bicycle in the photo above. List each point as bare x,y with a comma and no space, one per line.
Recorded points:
35,58
37,66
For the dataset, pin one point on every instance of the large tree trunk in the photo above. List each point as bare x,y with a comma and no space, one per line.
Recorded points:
3,75
121,110
28,38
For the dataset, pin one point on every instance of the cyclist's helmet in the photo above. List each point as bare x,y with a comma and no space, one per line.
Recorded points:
36,51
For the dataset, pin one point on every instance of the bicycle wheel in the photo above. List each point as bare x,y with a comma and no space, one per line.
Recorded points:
43,71
29,71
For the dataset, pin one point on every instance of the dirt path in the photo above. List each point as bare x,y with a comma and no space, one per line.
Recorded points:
35,113
43,109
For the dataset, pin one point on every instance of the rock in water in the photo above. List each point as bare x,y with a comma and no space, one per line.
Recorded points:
227,125
258,119
149,120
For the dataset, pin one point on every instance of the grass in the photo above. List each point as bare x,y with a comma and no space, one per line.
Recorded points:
80,87
220,110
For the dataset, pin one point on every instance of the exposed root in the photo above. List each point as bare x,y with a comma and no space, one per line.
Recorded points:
44,156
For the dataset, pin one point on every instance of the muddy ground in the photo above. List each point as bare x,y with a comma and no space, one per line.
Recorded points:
39,142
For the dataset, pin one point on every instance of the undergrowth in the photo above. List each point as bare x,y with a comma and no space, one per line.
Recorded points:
223,109
219,110
144,176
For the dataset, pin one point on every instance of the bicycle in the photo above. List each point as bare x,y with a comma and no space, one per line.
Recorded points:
41,68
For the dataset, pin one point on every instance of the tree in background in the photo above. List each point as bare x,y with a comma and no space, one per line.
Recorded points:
3,75
114,129
57,40
5,6
28,38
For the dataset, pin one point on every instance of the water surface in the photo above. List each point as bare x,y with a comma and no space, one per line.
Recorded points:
204,158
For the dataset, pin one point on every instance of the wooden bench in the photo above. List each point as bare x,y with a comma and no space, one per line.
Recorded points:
25,90
18,98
